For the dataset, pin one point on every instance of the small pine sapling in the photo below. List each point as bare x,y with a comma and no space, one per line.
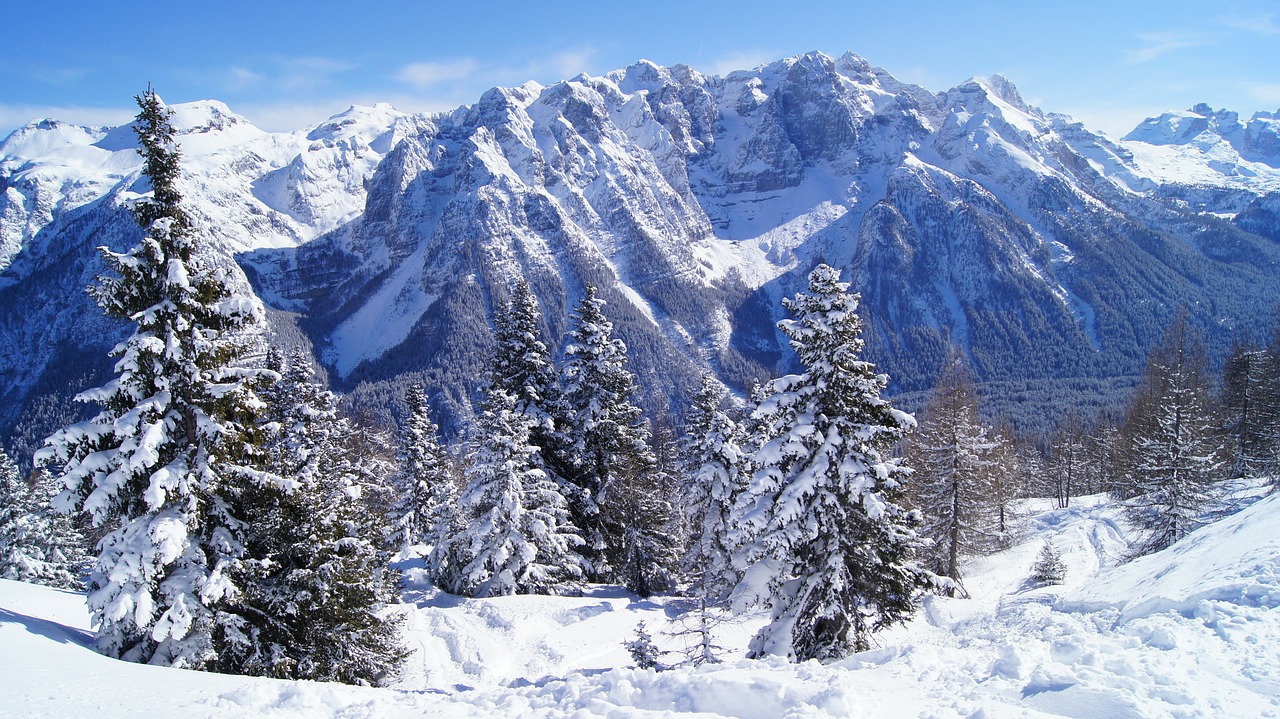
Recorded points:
1049,568
643,651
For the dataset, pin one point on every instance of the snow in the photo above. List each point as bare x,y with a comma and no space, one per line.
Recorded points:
1190,632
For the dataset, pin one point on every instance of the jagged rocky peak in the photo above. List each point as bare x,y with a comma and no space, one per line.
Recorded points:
1202,126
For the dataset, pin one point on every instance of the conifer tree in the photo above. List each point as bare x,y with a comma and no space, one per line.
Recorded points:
421,515
834,552
36,544
717,467
955,465
604,445
1049,567
1251,407
516,536
162,461
1172,452
315,584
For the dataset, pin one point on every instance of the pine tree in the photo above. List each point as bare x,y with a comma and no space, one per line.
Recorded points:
422,514
956,465
643,651
162,461
834,553
315,584
716,464
1172,453
36,544
1049,567
604,448
517,538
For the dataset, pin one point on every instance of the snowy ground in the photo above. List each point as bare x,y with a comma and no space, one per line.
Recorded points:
1191,632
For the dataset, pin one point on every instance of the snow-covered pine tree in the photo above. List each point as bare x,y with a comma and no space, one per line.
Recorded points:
521,365
717,469
955,463
516,536
315,584
835,551
37,544
162,461
604,445
1049,567
1172,452
429,494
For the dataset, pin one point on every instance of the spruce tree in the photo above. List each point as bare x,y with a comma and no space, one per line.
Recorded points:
1251,407
834,553
717,467
605,452
162,462
37,545
422,514
516,536
315,583
1173,454
1049,567
955,465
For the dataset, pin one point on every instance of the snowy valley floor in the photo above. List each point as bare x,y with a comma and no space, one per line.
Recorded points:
1191,632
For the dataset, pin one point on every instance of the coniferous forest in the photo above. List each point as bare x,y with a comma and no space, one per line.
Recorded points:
226,511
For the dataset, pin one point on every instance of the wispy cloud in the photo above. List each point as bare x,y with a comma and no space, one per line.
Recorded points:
309,72
552,68
1266,93
1262,23
424,75
744,60
240,78
1158,44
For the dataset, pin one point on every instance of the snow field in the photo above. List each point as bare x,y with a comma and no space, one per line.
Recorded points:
1190,632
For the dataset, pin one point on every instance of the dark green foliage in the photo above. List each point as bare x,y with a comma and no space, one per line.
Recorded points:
1049,567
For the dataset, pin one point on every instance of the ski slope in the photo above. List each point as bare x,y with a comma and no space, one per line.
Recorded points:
1190,632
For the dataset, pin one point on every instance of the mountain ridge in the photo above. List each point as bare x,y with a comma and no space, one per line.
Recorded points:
694,202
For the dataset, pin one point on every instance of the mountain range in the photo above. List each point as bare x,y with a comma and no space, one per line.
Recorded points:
1054,255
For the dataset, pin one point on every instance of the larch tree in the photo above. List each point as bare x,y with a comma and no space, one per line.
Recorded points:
1172,452
834,553
955,463
1251,409
163,460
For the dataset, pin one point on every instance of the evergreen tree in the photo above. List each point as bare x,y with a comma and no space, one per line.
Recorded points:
315,585
604,448
36,544
834,553
162,461
1067,467
1172,452
716,463
1049,567
429,497
955,465
517,538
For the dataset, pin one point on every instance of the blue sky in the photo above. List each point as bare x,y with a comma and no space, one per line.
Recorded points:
285,65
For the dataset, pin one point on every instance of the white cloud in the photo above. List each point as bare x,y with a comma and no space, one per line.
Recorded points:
1157,44
423,75
1263,24
745,60
1267,93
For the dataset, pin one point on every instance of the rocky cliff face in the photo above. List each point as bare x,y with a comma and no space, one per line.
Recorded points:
694,203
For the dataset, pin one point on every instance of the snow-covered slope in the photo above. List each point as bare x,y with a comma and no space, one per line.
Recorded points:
1190,632
693,203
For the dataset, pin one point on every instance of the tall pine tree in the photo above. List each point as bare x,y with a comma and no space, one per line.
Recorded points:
717,469
604,445
422,514
834,554
162,461
315,585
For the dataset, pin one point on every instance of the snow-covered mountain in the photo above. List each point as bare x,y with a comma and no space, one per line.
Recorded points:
694,203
